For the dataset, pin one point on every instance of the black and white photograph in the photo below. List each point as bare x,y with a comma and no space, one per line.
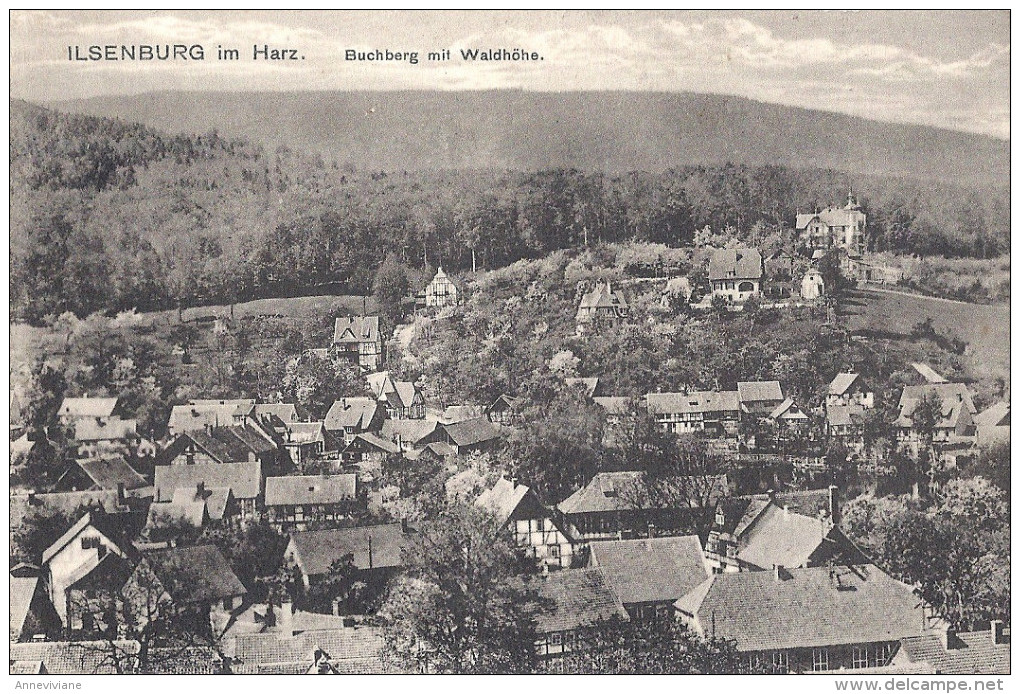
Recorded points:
585,342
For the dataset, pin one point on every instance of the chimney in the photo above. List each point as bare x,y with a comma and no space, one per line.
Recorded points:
771,494
834,511
336,607
286,619
120,493
997,632
786,511
949,640
651,530
777,572
200,490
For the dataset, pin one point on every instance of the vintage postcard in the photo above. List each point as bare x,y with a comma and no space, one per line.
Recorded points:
583,342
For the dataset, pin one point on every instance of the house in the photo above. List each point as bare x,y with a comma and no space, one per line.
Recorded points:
929,374
294,502
367,452
335,650
244,480
547,538
648,575
402,399
91,555
221,445
751,533
735,273
374,550
470,435
963,653
357,339
72,409
105,436
20,448
601,302
32,613
93,474
788,416
843,228
196,579
589,385
618,409
501,410
198,415
188,508
459,413
574,601
615,504
441,291
993,425
845,423
717,413
128,507
955,425
349,417
849,388
305,441
412,434
759,398
812,286
814,619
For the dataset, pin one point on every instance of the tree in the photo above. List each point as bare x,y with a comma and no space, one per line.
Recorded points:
314,382
410,477
460,606
993,464
389,287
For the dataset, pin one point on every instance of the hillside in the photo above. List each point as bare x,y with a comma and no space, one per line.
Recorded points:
609,131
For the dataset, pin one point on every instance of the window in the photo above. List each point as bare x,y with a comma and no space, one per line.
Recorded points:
781,661
860,658
557,639
819,659
554,551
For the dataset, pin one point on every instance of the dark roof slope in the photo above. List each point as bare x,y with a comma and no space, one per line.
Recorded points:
107,473
971,653
243,479
651,570
577,598
470,432
194,574
735,263
372,546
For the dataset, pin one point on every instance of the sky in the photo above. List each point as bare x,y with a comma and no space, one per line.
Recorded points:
940,68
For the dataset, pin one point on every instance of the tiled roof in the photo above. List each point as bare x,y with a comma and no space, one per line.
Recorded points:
75,658
696,401
460,413
615,404
87,407
379,383
955,398
27,667
372,441
310,489
928,374
831,216
590,384
351,412
603,296
787,410
199,413
243,479
842,382
194,574
759,391
735,263
69,502
813,607
318,549
413,430
651,570
22,592
104,429
843,415
616,491
472,431
578,598
970,653
810,502
305,432
286,411
107,473
995,416
166,513
402,395
781,537
502,499
98,520
351,649
356,329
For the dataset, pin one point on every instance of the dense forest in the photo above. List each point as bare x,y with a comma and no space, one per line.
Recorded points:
107,216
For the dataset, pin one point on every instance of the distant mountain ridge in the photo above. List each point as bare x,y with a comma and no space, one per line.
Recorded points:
611,131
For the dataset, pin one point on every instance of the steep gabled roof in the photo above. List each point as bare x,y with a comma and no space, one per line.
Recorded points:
22,592
579,598
97,520
198,573
413,430
369,440
969,653
502,499
843,415
995,416
285,411
616,491
472,431
351,412
104,429
803,608
955,397
787,410
305,432
651,570
372,546
198,414
74,658
356,329
759,391
349,650
735,264
781,537
842,382
603,296
107,473
589,384
310,489
243,479
929,374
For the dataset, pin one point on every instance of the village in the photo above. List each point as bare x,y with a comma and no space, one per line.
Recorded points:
740,537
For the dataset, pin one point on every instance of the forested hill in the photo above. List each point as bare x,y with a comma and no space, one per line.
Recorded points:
107,215
608,131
